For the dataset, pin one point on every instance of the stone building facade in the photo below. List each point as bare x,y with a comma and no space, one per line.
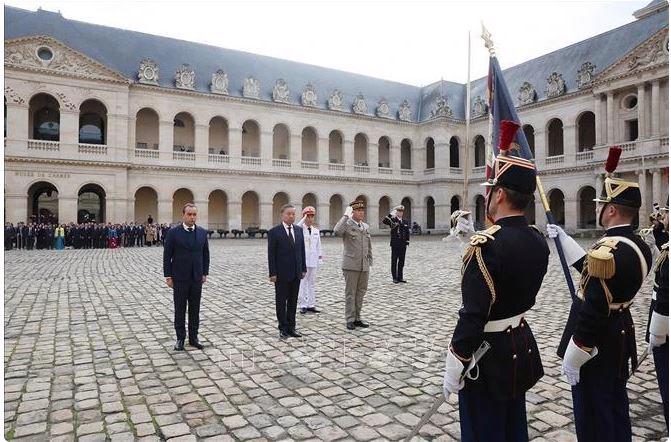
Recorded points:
110,125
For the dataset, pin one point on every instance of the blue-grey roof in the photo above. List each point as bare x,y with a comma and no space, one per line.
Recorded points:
122,50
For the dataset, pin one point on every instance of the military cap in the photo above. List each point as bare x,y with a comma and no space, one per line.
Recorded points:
399,208
358,204
617,190
512,172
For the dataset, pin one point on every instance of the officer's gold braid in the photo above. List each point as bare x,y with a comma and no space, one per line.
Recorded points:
477,251
660,259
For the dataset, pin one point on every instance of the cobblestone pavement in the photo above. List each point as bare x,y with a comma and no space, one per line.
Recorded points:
89,335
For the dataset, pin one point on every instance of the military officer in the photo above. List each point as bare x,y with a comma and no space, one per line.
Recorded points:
599,340
502,271
313,258
399,239
356,261
658,325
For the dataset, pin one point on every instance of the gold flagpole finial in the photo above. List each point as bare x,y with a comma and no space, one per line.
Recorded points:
487,37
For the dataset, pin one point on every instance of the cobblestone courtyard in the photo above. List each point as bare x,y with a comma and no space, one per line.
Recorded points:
89,336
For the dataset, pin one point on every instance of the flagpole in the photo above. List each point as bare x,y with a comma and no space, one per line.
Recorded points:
468,126
489,43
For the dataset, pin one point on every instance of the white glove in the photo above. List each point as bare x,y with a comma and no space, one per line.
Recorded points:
348,211
572,250
452,381
656,341
574,358
393,213
464,225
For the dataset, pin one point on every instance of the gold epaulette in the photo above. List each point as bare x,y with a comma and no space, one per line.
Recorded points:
662,257
645,232
600,259
484,235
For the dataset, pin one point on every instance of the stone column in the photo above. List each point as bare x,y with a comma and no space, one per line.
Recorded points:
296,150
442,215
16,208
67,209
642,132
266,214
234,145
655,110
441,161
657,196
69,135
373,157
323,215
541,147
610,117
348,154
571,212
570,144
266,140
598,184
165,140
645,204
131,140
235,214
323,153
372,209
201,145
541,219
598,120
165,211
395,157
17,126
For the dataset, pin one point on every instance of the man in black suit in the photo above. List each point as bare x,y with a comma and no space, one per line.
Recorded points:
186,264
286,268
399,239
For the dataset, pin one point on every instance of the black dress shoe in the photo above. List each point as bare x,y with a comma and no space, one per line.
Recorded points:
283,335
196,344
313,310
294,333
361,324
350,326
179,345
304,310
395,281
402,280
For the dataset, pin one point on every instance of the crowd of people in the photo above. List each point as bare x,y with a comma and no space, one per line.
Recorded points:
47,236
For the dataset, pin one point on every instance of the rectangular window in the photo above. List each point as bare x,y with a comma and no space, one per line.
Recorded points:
631,130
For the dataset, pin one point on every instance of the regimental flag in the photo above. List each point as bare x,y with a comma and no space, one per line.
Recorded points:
501,107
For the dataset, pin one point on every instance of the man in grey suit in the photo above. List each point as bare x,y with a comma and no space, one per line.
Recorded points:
356,261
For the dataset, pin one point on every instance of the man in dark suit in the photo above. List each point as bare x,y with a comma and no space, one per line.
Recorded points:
186,264
399,239
286,268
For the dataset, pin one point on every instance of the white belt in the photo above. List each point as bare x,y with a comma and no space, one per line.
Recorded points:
654,294
502,324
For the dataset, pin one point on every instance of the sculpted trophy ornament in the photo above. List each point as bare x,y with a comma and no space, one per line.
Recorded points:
185,78
359,106
148,72
335,100
404,111
555,85
383,110
585,75
526,94
309,96
441,109
479,107
219,83
251,88
281,92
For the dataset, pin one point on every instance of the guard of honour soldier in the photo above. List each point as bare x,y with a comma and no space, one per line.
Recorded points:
502,272
313,259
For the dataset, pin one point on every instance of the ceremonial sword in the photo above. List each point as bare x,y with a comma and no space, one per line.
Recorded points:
479,353
641,358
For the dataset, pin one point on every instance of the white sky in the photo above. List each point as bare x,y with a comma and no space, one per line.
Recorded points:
415,42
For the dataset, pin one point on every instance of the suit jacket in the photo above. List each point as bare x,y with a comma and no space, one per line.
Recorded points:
286,260
400,234
357,250
186,255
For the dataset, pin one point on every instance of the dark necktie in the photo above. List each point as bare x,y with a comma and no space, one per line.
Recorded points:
291,235
310,230
190,229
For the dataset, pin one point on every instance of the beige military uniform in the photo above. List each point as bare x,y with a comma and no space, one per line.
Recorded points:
356,261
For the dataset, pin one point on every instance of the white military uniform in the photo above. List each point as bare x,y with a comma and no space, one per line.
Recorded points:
313,250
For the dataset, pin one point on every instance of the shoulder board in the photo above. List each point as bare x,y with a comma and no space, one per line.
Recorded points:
600,259
537,229
484,235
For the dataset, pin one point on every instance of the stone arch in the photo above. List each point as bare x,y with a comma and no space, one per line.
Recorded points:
281,142
430,153
430,204
555,131
455,203
147,129
586,124
146,204
43,202
251,139
218,136
454,151
180,197
384,152
406,202
361,149
384,207
250,210
479,151
587,208
217,210
44,117
556,200
480,215
309,140
183,133
336,147
93,122
530,134
279,199
406,154
336,208
91,203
